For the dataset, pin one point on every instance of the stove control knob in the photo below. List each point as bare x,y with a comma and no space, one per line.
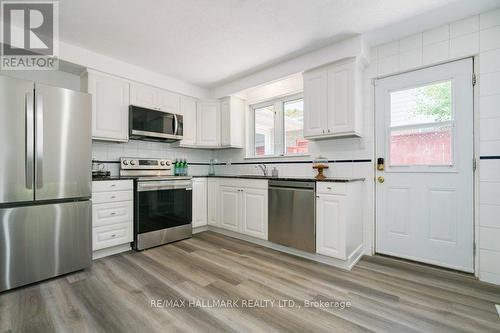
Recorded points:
168,162
125,162
132,163
162,163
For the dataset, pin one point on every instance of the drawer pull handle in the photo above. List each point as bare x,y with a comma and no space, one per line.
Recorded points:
113,185
113,235
329,188
113,213
113,197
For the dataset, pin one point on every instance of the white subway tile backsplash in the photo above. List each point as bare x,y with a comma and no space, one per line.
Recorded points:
489,193
489,83
488,239
489,19
489,39
489,216
489,148
489,61
410,43
439,34
489,106
388,65
437,52
410,60
489,260
465,45
388,49
465,26
489,170
489,129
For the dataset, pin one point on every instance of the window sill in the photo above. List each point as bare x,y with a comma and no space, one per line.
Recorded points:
276,157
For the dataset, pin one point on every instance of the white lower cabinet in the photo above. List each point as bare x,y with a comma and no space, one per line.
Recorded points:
339,215
212,195
243,206
112,214
199,217
230,210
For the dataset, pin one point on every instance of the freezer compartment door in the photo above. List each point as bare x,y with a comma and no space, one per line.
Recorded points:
16,140
40,242
63,143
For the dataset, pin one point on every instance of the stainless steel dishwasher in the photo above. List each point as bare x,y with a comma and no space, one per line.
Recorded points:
292,214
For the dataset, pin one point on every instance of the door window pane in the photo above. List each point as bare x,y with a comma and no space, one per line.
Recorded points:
421,125
294,127
264,131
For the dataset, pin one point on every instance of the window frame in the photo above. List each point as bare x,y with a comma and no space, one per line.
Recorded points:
279,126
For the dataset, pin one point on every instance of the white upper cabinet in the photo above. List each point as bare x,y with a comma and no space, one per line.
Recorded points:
232,111
154,98
110,101
208,124
188,112
333,100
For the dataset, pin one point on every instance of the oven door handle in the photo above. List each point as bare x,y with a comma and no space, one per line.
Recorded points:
156,187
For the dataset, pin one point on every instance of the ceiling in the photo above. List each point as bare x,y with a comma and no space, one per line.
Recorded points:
209,42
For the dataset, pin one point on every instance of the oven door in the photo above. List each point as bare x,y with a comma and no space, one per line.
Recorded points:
155,125
162,205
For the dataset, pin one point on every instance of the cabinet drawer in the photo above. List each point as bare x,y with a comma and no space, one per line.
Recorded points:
112,185
112,235
112,213
114,196
330,188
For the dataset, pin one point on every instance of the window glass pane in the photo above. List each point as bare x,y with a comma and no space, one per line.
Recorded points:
421,125
264,131
422,146
294,127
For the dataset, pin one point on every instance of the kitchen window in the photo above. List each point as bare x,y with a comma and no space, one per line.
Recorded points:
278,127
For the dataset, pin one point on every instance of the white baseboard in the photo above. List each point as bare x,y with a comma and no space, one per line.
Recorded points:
110,251
343,264
200,229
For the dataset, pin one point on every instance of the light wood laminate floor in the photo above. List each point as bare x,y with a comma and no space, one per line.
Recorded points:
116,293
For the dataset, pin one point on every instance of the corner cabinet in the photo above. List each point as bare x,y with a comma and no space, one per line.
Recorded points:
333,100
232,110
339,219
208,124
110,101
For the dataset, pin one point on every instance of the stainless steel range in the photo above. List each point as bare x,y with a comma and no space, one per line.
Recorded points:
162,202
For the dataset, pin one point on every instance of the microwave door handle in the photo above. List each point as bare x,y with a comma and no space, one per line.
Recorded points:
176,124
29,128
39,141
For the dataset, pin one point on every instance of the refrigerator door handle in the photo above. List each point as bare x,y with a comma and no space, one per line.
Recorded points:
39,141
29,133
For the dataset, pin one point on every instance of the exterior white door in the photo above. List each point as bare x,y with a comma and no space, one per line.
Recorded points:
424,133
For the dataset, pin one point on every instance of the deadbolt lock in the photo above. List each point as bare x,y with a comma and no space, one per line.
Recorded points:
380,179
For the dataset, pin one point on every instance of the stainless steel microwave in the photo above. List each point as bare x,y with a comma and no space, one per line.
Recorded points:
154,125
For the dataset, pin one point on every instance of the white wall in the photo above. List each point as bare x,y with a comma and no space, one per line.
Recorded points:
477,36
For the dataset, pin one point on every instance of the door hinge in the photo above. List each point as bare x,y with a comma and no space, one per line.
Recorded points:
474,164
474,79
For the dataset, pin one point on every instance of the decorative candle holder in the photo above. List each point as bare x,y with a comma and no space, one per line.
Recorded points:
320,164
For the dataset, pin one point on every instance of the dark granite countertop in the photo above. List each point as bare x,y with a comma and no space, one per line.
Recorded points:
303,179
98,179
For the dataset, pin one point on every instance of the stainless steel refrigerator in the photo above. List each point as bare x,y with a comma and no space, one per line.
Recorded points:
45,181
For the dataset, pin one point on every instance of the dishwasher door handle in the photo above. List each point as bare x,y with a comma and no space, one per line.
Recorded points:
291,189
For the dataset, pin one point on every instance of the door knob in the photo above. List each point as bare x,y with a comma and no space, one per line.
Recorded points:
380,179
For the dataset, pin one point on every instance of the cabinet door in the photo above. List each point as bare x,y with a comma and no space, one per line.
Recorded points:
212,195
188,112
230,210
144,96
315,103
168,101
254,216
208,124
341,99
199,202
225,115
110,101
330,226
